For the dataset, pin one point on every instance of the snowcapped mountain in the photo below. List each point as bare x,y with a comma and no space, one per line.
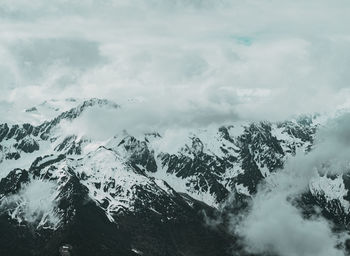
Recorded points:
135,195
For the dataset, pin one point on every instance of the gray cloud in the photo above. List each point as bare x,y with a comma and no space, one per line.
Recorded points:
67,57
217,60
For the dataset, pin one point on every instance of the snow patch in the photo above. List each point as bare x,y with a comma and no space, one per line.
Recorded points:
331,189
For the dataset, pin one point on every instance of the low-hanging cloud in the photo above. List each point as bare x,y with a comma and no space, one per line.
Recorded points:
274,223
276,226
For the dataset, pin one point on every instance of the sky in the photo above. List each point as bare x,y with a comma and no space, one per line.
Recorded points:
186,62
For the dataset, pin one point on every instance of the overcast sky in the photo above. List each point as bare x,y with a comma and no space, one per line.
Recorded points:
187,61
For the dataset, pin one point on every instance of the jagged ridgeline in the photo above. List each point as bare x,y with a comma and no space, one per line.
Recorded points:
63,193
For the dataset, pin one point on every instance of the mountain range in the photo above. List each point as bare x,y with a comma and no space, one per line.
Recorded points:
63,192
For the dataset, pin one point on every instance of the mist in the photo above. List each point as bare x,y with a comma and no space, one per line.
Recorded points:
274,224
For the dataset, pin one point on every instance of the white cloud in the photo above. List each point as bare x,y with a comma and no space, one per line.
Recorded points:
34,204
275,226
274,223
187,58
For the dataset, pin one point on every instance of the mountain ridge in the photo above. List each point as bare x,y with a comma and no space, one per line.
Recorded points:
127,178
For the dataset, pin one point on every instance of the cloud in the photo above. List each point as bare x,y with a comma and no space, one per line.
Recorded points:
35,204
331,151
274,224
190,59
36,57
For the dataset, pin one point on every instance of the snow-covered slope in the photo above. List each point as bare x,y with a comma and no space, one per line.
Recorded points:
48,172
